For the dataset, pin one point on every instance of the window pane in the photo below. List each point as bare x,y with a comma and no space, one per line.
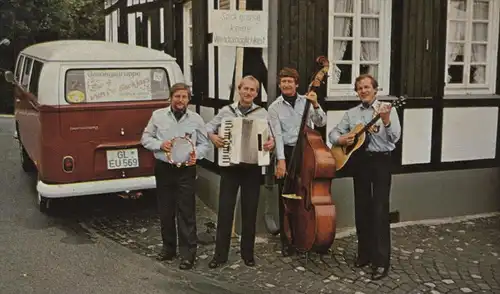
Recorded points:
345,6
481,9
342,50
224,4
456,31
479,53
455,74
477,74
342,26
457,9
370,27
455,52
106,85
369,69
369,51
35,77
18,68
345,71
480,32
370,6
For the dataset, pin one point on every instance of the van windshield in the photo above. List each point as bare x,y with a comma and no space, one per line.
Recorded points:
115,85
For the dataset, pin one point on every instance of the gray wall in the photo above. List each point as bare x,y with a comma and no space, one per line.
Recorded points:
416,196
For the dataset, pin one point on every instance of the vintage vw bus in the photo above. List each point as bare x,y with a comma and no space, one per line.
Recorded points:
80,109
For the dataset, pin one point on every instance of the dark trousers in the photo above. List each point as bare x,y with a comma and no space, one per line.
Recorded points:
288,155
176,201
372,185
248,178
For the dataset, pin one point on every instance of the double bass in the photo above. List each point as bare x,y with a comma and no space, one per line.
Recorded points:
309,214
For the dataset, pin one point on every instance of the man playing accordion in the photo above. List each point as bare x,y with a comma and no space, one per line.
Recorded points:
246,176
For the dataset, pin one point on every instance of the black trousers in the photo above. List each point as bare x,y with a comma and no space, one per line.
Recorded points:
232,178
372,185
176,202
288,155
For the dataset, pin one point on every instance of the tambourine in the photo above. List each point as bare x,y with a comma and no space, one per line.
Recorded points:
181,151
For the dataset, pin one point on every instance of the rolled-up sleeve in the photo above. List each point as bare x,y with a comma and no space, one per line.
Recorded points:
149,139
212,127
340,129
278,135
318,116
394,129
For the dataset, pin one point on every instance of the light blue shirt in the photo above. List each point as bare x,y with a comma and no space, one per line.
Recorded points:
213,125
285,121
383,140
163,126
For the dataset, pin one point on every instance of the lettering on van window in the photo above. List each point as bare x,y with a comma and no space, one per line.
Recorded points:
123,85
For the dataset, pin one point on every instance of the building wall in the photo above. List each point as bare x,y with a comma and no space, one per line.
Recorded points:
450,131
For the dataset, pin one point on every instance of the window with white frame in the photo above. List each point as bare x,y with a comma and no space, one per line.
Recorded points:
359,42
188,42
472,40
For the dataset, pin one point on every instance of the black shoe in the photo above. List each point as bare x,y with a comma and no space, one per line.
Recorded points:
166,256
249,262
360,262
379,272
286,249
215,263
186,264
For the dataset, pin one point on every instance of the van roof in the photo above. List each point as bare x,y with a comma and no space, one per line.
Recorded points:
92,50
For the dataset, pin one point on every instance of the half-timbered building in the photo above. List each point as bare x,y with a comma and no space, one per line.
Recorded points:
443,54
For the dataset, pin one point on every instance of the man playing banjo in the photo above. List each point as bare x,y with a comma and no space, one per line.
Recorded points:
175,181
246,176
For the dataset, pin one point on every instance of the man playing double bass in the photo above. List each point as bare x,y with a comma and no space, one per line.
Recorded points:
371,168
285,115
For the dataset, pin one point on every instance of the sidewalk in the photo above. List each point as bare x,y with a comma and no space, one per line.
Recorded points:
461,257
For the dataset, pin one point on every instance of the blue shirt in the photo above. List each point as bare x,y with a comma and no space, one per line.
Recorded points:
383,140
285,121
163,126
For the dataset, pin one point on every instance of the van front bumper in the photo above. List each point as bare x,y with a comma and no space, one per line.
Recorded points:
95,187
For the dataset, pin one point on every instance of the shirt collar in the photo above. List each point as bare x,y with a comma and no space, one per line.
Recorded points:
170,112
282,100
236,108
374,105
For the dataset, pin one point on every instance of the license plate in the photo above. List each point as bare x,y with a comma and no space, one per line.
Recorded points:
124,158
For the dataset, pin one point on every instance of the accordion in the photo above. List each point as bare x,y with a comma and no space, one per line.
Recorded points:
244,141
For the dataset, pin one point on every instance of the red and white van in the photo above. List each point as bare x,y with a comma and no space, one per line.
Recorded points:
80,109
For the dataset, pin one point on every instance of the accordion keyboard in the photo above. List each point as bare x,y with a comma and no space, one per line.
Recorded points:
224,152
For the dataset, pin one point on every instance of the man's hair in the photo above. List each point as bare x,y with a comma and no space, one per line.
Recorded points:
366,76
249,78
178,87
288,72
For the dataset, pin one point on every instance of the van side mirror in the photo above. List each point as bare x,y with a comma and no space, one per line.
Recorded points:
9,77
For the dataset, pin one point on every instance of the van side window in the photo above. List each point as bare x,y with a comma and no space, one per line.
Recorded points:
19,67
116,85
28,62
35,77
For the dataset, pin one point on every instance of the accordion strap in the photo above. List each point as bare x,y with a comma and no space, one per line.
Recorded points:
245,114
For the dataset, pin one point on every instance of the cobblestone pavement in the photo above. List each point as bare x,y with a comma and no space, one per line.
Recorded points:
459,257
